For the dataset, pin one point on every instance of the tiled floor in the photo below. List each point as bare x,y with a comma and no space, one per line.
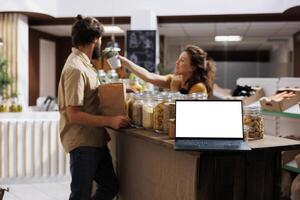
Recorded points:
41,191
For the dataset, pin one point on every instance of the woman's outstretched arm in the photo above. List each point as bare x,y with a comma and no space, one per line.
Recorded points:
142,73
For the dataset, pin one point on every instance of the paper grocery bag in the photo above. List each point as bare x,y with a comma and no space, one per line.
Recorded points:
112,99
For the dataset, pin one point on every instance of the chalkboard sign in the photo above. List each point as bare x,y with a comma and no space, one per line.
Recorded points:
140,48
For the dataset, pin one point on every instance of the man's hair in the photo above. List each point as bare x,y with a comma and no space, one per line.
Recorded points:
86,30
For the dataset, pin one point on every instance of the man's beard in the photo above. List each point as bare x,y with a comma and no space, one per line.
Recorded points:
96,53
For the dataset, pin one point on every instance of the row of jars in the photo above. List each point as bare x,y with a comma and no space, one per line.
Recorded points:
154,110
10,105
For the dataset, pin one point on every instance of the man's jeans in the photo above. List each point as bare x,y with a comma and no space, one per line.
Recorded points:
88,164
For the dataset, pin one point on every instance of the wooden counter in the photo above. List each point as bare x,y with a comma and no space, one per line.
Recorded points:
149,168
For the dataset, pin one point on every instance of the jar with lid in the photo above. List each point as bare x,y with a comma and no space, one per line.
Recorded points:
198,96
101,76
253,123
130,101
159,112
137,110
169,110
3,105
113,76
15,105
148,109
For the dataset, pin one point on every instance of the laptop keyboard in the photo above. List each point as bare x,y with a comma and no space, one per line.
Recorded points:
214,142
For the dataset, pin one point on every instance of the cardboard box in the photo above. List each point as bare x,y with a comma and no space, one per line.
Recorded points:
112,99
259,92
267,103
221,93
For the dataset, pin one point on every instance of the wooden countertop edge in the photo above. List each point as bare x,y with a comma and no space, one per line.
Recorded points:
164,140
149,135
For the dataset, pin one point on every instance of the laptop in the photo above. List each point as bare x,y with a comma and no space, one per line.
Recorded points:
209,125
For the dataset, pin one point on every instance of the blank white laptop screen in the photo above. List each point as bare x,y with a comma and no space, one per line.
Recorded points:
209,119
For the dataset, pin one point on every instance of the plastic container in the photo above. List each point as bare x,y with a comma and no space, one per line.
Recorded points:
253,123
114,62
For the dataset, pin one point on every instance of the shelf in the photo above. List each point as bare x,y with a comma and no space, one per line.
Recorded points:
292,166
292,112
281,114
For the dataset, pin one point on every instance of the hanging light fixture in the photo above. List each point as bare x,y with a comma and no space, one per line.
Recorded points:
112,43
1,42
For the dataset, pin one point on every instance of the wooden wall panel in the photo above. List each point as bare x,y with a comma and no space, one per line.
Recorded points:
8,32
297,54
34,62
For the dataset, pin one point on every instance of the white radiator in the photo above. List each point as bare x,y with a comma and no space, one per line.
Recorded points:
30,150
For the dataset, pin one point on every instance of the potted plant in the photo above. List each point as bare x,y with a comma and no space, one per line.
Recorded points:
5,80
111,54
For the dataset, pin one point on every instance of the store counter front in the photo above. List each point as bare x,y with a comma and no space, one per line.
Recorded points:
149,168
30,148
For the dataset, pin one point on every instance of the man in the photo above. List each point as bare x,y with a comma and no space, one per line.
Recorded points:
81,127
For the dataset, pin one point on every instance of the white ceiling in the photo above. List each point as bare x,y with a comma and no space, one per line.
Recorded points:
256,35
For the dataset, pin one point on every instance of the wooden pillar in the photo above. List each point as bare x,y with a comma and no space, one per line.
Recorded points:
297,54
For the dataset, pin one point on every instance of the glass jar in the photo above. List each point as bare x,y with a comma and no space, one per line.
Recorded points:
135,86
171,129
15,105
148,109
253,123
112,76
137,110
130,102
3,105
198,96
169,110
101,76
159,113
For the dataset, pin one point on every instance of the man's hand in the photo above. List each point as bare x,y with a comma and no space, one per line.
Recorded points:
119,122
76,116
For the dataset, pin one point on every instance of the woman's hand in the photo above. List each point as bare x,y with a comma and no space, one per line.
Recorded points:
125,62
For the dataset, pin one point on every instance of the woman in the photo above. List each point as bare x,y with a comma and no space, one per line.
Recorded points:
194,72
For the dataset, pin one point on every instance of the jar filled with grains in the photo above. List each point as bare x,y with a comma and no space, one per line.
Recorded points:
253,123
130,102
148,109
159,113
137,110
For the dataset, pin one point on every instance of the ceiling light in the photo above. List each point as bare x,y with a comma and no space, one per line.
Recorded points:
228,38
113,29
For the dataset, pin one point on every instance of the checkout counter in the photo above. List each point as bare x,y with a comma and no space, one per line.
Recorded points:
149,168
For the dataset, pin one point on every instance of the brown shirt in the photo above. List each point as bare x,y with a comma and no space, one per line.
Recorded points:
78,86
